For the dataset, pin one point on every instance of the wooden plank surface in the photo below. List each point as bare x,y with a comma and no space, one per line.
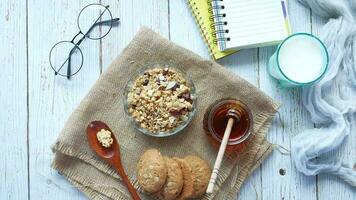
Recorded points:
37,103
53,98
13,101
134,14
280,180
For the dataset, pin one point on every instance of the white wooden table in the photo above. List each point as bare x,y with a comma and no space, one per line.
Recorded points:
35,104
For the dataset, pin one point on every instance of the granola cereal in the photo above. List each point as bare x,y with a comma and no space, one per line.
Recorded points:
104,137
160,100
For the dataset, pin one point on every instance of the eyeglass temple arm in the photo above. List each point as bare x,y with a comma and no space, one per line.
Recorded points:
115,20
112,21
105,22
69,63
71,52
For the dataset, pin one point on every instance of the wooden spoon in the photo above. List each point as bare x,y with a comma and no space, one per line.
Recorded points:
111,154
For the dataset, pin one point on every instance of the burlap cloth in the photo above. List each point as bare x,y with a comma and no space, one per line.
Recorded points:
75,160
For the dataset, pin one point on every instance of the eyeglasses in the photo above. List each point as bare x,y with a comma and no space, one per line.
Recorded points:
94,22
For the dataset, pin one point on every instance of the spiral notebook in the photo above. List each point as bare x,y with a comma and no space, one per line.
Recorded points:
202,12
244,24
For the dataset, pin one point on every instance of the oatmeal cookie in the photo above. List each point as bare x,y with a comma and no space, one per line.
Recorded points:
174,183
151,171
187,191
201,174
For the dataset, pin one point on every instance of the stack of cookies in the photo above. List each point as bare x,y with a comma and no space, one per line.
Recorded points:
172,178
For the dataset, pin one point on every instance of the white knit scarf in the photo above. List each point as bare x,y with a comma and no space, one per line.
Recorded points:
333,109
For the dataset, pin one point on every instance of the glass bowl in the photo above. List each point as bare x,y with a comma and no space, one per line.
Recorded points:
181,126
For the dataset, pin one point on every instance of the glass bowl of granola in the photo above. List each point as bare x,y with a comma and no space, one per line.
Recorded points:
160,100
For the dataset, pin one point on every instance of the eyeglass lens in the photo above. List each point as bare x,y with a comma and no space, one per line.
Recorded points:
95,20
60,59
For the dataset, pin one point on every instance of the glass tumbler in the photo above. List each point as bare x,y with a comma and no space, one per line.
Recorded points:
300,60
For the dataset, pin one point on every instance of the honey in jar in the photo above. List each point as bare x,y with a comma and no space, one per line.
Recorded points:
216,118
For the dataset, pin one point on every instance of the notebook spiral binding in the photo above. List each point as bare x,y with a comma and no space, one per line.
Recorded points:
202,27
217,15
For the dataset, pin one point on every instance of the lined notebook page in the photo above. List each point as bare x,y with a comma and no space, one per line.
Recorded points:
253,23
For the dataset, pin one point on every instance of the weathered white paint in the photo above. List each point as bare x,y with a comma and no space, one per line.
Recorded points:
183,28
52,99
291,120
133,15
13,101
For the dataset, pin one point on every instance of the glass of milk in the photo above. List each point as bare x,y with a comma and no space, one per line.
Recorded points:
301,59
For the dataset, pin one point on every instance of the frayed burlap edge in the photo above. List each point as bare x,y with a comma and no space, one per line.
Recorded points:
232,184
239,174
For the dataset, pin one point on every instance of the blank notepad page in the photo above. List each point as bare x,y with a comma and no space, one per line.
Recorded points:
251,23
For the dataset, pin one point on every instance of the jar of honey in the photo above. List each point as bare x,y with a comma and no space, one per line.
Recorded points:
216,118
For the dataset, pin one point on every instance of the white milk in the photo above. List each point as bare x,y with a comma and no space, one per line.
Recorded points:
302,58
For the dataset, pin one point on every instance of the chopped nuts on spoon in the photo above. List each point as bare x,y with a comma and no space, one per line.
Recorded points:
160,100
104,137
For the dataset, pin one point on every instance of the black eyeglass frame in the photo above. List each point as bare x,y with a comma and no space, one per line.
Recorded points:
85,35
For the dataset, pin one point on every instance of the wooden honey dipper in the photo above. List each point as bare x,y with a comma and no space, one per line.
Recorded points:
233,116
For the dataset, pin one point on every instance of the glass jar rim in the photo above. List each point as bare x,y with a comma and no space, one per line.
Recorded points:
325,67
